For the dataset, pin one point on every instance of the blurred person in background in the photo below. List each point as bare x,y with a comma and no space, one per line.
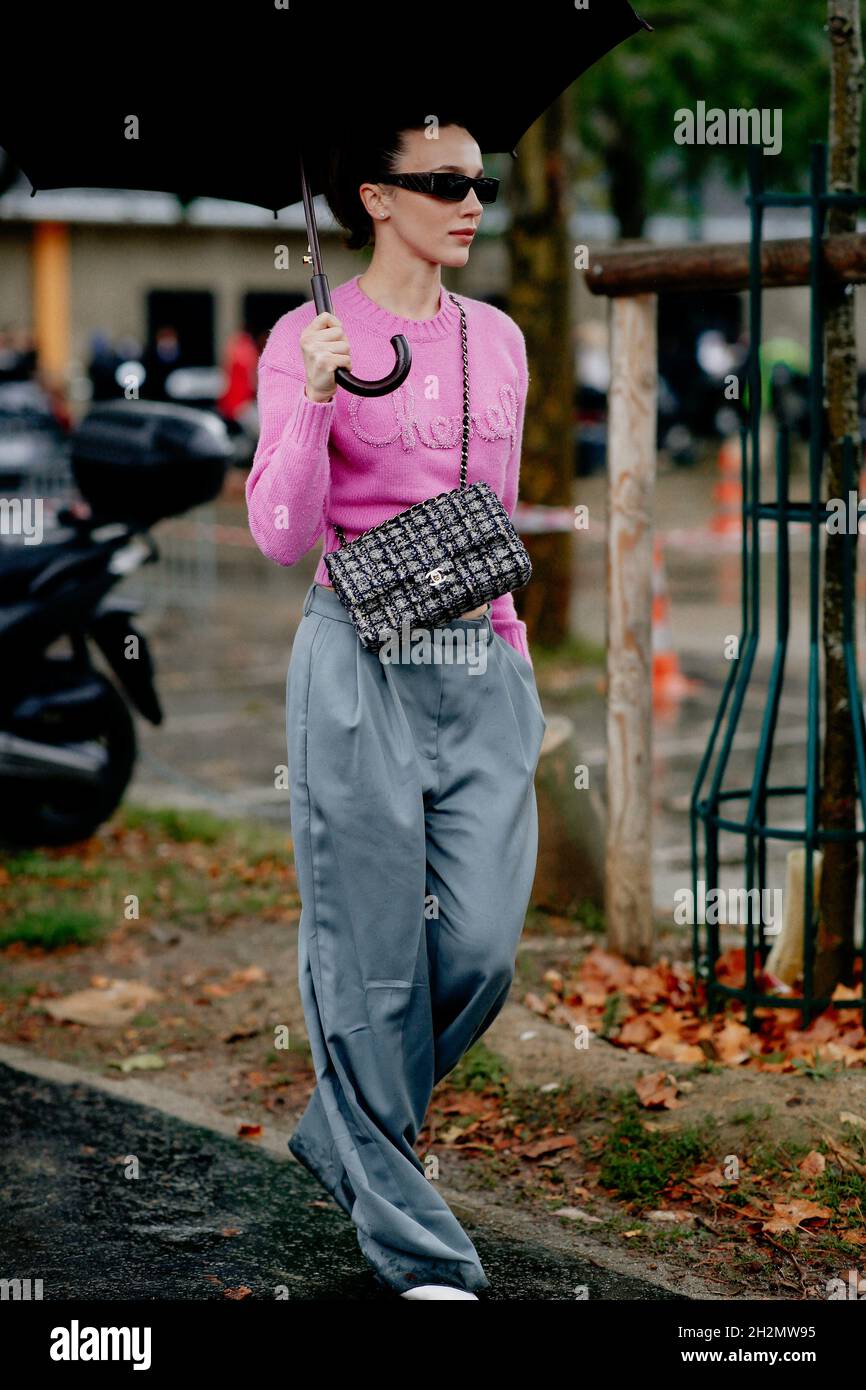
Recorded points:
240,364
102,367
17,354
161,357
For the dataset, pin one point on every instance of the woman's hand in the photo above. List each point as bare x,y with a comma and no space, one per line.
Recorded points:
325,347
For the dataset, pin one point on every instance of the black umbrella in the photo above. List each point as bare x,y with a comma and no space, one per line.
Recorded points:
259,131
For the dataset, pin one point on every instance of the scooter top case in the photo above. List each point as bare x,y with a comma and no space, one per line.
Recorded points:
140,461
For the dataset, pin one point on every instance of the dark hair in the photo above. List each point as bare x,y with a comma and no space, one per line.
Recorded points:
364,161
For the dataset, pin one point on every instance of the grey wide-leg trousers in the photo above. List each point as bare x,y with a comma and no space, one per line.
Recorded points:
415,831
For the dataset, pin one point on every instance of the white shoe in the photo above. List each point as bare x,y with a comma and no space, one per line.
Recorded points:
438,1291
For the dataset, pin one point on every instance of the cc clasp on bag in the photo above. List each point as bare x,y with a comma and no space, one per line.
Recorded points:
433,561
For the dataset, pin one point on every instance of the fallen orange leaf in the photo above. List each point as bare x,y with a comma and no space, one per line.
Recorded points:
813,1164
790,1215
658,1090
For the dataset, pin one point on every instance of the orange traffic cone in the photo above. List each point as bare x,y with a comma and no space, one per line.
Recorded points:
728,491
669,683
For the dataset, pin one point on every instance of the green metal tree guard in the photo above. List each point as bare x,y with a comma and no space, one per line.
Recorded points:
713,810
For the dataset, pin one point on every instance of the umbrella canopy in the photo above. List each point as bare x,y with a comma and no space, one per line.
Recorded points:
301,81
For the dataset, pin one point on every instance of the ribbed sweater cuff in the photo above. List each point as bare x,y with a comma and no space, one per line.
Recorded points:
312,420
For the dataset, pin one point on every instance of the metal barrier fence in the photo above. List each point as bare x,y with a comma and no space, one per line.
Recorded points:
748,810
185,575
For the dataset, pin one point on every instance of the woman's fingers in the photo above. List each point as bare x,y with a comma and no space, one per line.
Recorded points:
325,348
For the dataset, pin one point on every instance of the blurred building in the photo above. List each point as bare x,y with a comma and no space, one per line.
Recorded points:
85,266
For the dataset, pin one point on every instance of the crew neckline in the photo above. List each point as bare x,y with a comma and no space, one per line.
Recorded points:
359,305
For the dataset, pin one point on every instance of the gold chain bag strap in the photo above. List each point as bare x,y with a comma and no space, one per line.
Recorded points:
433,561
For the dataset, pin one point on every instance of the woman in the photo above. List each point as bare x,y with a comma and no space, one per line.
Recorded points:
412,799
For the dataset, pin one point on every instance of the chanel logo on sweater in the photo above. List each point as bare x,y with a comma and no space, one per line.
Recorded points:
434,431
436,577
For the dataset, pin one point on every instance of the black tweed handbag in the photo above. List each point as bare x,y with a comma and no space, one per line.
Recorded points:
433,561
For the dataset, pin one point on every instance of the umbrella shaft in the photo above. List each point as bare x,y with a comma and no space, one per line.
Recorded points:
319,281
310,218
321,294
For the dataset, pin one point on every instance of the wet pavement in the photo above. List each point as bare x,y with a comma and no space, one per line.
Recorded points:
107,1199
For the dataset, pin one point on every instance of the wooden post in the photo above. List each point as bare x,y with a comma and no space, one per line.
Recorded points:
722,266
631,463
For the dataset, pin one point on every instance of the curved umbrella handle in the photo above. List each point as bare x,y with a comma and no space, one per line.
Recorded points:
344,378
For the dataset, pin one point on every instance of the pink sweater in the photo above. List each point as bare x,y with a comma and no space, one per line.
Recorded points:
358,460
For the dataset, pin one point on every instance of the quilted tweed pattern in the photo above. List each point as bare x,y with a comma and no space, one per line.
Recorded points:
429,563
434,560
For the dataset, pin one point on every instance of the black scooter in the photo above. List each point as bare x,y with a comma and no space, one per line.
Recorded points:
67,738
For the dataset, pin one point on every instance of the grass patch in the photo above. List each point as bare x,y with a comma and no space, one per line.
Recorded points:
189,869
562,1108
585,917
51,929
479,1069
706,1068
667,1238
818,1069
11,990
750,1119
574,650
844,1192
610,1017
33,863
184,827
639,1163
772,1157
591,917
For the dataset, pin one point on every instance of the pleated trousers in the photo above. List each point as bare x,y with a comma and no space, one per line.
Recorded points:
415,832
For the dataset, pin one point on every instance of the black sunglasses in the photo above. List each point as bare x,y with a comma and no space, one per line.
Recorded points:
453,187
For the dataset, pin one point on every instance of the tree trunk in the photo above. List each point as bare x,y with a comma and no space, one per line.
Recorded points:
542,266
838,809
628,183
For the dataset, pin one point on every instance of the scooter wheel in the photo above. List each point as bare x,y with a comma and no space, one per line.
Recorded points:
62,813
